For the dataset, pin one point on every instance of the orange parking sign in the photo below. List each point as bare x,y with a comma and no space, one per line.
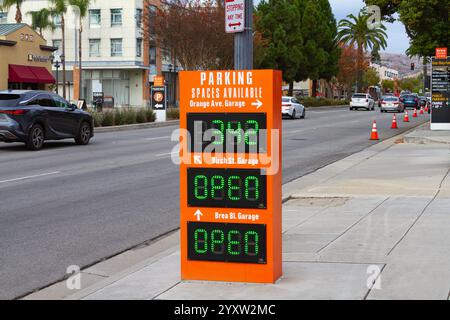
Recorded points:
230,175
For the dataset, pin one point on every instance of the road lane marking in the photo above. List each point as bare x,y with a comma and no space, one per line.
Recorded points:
156,138
166,154
30,177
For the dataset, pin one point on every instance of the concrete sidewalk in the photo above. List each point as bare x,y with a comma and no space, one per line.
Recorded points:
375,225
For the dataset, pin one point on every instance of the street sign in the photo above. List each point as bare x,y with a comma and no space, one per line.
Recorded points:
230,175
234,16
441,53
159,102
158,98
158,81
440,94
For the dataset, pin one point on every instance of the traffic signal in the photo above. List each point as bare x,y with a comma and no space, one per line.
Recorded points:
412,66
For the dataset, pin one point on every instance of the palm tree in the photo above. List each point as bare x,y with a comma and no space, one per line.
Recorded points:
356,30
41,20
59,9
7,4
83,6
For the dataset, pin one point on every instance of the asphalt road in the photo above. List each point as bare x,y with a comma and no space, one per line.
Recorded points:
75,205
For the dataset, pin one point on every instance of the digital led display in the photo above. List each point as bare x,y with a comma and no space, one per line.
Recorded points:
227,132
226,188
227,242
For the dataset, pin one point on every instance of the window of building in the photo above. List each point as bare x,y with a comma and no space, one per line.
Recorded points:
151,19
152,55
3,17
116,47
139,47
116,17
57,44
95,18
94,47
57,21
138,18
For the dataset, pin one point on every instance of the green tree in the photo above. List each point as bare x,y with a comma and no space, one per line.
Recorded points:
7,4
371,78
59,9
388,85
83,6
320,51
41,20
278,22
355,31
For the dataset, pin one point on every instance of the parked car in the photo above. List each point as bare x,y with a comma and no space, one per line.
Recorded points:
390,103
410,101
423,101
292,108
362,100
33,116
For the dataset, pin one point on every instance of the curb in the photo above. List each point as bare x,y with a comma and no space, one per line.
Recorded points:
128,127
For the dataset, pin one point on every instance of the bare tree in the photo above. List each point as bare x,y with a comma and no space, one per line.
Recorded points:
193,31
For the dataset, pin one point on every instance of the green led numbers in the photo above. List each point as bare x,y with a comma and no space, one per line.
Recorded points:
251,132
252,188
251,243
234,130
219,129
234,188
217,242
201,187
201,241
234,242
217,187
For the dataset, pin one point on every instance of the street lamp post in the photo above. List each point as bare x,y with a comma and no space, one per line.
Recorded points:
57,65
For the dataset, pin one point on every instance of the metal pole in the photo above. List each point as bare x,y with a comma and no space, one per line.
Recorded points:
243,41
57,78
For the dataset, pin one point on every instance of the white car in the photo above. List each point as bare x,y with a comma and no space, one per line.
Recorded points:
292,108
362,100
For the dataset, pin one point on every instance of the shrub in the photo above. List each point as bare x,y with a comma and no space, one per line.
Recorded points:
119,117
108,119
320,102
129,116
173,113
98,118
141,116
151,116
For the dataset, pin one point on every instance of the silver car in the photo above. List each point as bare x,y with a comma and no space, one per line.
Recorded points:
292,108
390,103
362,100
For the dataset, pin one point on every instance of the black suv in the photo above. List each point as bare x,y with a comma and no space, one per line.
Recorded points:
35,116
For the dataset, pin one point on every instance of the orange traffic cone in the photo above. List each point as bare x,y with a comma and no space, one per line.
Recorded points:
406,117
421,110
374,135
415,113
394,122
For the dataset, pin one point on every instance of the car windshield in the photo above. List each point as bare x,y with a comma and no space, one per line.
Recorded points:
9,100
390,99
409,97
286,99
359,96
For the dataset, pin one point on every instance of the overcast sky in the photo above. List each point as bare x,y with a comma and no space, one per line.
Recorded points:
398,41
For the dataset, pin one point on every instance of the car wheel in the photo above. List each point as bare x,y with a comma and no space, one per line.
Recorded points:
84,135
303,114
36,138
293,114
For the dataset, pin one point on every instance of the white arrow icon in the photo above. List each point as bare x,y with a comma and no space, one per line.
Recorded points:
257,104
198,214
198,159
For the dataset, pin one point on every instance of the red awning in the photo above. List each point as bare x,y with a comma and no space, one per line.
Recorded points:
42,75
28,74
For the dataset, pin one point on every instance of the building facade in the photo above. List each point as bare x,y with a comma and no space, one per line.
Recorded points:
385,73
118,57
26,59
